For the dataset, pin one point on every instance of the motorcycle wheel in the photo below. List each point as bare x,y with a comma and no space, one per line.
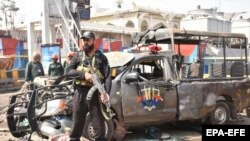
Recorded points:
89,131
13,121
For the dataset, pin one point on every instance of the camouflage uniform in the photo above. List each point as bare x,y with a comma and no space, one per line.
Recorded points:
77,68
55,69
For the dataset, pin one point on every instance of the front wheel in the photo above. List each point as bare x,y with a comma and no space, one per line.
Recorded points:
89,130
221,114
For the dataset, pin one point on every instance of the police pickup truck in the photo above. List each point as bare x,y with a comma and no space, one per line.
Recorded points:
203,76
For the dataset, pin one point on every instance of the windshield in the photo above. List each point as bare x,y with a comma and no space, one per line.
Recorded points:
153,69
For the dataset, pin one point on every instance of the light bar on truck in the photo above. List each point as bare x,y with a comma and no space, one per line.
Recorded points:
146,48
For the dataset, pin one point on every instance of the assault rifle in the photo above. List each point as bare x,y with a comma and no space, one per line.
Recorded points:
107,112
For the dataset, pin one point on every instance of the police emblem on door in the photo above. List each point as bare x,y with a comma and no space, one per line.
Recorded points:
149,97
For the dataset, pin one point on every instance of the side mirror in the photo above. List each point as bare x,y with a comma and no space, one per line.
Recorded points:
132,77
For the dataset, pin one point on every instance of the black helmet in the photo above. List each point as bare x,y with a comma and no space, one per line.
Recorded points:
88,34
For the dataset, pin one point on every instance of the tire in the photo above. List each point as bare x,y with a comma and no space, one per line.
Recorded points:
88,129
12,121
220,115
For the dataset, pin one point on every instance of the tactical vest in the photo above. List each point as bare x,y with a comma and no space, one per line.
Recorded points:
84,69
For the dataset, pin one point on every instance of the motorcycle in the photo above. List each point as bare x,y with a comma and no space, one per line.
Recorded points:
46,108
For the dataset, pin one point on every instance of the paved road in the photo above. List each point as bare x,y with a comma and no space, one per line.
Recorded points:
182,131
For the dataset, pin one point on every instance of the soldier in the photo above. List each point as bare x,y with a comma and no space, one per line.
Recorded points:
56,68
83,84
34,68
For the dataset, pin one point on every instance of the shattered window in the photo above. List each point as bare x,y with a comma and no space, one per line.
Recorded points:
150,69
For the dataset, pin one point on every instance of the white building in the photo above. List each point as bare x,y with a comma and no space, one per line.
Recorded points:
206,20
138,17
48,20
241,24
121,24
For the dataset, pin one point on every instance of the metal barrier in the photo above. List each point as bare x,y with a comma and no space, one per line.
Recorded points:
11,80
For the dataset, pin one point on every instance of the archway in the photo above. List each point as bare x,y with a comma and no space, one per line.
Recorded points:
130,24
144,25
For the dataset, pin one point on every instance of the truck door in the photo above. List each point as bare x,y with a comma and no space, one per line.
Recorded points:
151,100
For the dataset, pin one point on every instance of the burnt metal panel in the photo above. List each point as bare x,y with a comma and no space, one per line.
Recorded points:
198,98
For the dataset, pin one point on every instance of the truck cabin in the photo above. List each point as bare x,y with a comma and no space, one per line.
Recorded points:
199,55
148,61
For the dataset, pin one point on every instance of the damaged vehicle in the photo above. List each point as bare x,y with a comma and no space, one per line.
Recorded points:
41,108
201,76
46,108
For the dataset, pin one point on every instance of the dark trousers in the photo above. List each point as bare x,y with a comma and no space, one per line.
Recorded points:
80,110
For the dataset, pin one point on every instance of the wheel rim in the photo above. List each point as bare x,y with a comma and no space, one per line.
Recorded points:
220,115
91,131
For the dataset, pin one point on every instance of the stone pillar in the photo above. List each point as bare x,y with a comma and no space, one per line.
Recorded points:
31,39
52,33
45,22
